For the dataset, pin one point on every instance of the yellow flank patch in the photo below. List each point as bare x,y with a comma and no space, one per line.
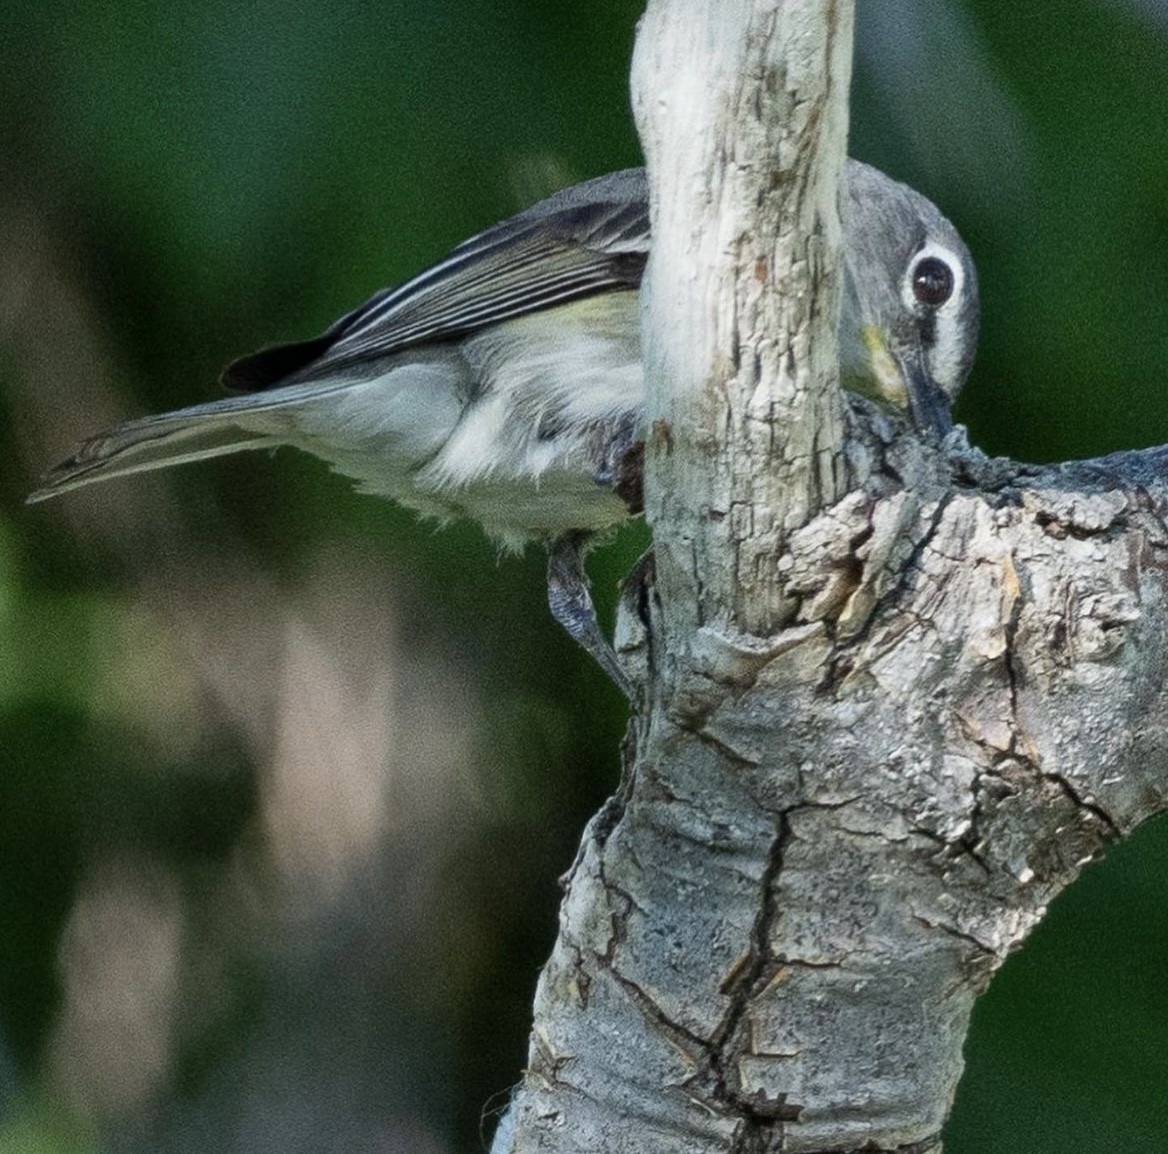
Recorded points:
886,372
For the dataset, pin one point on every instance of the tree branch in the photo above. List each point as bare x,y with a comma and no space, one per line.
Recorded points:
742,109
894,697
743,115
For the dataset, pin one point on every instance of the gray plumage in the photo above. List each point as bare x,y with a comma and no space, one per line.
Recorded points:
492,385
504,384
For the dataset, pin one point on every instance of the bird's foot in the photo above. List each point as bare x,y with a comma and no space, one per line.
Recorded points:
570,601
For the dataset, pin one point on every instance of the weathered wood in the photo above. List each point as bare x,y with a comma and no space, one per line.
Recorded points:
894,695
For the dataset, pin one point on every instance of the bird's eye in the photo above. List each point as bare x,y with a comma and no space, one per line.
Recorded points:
932,282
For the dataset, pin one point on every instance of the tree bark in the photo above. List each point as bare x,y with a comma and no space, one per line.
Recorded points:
893,696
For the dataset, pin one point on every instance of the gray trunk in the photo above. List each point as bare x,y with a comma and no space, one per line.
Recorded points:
891,700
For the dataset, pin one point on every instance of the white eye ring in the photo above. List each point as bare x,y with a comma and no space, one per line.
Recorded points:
952,263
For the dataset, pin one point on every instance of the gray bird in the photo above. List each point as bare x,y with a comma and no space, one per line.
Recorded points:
505,383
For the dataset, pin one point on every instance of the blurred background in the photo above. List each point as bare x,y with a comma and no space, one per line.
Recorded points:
286,777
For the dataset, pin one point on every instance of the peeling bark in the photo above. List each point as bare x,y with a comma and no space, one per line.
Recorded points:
827,840
894,696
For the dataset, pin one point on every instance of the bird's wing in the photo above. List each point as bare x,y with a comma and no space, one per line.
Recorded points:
588,239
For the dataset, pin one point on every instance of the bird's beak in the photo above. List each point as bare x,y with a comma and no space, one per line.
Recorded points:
927,401
905,382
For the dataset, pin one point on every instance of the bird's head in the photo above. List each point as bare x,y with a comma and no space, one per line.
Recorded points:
909,318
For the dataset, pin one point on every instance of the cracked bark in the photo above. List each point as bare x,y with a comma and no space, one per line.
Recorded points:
893,697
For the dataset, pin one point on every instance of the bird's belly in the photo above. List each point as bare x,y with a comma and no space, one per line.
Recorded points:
515,428
515,511
556,394
380,431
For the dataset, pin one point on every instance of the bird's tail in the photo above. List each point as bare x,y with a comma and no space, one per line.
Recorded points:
194,434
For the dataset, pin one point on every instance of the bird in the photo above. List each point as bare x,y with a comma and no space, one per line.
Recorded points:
505,384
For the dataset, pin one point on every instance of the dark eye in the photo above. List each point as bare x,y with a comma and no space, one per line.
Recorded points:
932,282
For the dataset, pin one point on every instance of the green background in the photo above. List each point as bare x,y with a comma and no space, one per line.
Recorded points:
196,952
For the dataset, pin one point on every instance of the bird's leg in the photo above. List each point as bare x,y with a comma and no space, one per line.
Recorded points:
571,604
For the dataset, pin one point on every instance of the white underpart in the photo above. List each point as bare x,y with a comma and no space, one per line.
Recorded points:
380,430
509,428
573,368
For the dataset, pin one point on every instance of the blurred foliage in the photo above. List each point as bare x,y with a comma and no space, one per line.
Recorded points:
185,181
